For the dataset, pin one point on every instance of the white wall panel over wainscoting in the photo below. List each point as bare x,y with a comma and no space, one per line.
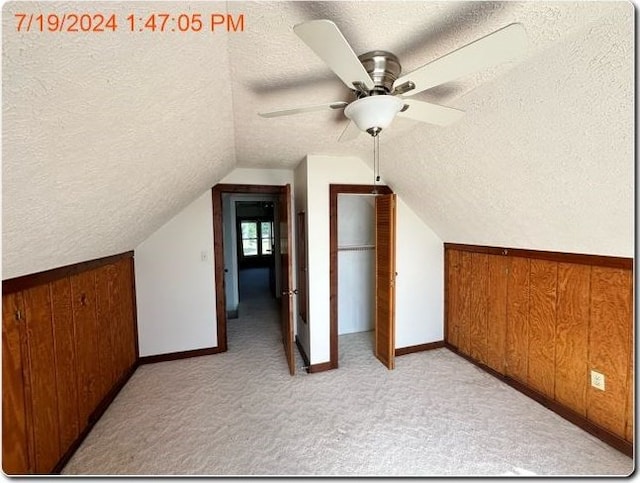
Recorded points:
174,286
419,260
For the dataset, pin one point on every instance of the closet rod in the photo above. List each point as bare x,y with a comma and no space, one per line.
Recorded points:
356,249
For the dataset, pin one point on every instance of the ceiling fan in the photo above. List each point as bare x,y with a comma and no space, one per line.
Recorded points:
381,93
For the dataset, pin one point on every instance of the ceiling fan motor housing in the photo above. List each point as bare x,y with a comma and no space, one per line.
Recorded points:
383,67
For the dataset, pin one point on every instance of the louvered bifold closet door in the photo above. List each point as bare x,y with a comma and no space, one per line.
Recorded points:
385,279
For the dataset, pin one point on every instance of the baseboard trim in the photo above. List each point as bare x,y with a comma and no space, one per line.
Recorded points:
93,419
25,282
609,438
311,368
419,348
303,354
561,257
325,366
174,356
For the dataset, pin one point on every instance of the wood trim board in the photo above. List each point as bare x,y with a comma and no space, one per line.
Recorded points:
419,348
24,282
174,356
579,258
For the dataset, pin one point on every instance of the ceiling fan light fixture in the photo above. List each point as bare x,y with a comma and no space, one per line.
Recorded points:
374,113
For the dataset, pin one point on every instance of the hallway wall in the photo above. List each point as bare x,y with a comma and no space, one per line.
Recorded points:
419,260
175,287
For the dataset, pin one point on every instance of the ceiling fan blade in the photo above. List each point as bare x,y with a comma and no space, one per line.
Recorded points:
350,132
326,40
431,113
298,110
503,45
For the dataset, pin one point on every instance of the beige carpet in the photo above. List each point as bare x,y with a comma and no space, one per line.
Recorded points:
240,413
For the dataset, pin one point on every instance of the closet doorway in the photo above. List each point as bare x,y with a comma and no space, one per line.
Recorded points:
362,267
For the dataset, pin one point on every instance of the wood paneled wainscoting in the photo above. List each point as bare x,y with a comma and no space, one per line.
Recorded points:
69,344
542,321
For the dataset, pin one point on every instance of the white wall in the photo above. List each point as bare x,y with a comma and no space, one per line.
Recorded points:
356,274
174,287
420,281
259,176
420,266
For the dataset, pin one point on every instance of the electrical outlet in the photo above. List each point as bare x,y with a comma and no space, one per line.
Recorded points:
597,380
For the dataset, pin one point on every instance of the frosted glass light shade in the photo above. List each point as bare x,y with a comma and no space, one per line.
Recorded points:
374,111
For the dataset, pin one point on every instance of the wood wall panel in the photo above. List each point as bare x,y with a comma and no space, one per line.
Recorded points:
464,299
551,318
453,297
83,292
69,345
125,323
609,333
572,336
478,306
517,345
42,375
105,314
628,434
66,374
15,446
498,269
543,278
631,373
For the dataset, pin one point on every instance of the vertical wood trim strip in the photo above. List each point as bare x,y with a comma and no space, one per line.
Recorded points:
517,347
447,292
218,255
478,306
333,276
464,293
498,268
572,336
542,326
609,342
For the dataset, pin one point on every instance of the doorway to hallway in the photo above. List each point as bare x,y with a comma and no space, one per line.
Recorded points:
251,244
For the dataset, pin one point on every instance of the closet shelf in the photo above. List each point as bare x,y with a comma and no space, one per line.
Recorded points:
356,248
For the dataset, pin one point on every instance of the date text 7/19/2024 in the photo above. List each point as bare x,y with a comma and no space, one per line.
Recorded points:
99,22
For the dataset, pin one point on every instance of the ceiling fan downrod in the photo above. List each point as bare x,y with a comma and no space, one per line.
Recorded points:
384,68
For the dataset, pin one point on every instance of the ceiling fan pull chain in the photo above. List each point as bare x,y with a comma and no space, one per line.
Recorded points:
377,156
374,165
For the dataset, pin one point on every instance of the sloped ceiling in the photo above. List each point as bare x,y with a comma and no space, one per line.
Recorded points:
107,136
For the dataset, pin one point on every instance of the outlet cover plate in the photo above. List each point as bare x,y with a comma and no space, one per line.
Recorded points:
597,380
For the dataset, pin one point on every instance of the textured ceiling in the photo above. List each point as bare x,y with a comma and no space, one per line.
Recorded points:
107,136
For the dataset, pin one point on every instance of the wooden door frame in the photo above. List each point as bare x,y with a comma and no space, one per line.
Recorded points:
218,246
334,191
